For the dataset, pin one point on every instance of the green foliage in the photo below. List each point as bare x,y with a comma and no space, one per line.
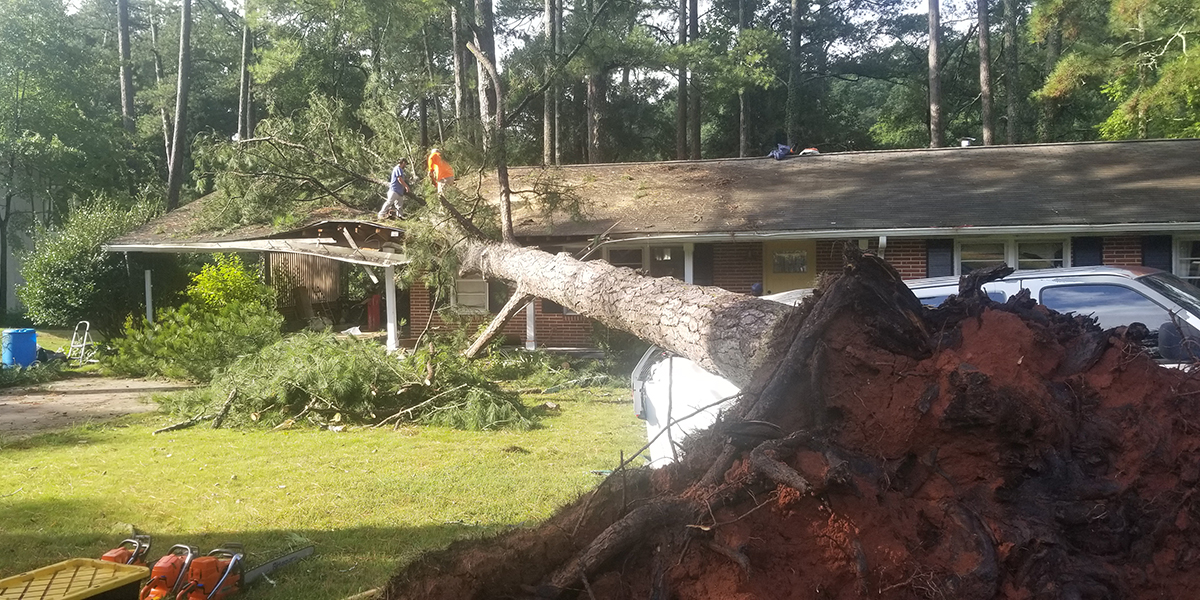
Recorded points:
325,380
227,279
71,278
32,375
194,341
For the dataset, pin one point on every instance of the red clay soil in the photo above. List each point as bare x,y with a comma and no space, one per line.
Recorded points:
1021,454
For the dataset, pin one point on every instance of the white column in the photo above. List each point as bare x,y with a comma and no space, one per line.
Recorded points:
389,288
689,265
530,327
149,300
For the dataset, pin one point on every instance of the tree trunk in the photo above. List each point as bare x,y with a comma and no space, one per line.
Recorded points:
551,57
1012,75
126,66
795,92
556,89
457,55
597,93
486,43
158,79
936,131
179,139
487,63
743,139
1049,108
722,331
694,82
985,74
681,89
243,127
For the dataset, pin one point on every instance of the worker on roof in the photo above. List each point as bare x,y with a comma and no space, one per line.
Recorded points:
440,171
397,189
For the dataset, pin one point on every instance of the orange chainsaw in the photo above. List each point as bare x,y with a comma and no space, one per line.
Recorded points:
183,574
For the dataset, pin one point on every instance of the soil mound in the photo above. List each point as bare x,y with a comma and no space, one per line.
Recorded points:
977,450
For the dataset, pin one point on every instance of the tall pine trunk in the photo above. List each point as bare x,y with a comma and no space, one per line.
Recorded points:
551,58
158,80
681,87
179,139
985,74
1012,74
743,139
486,43
127,116
1049,108
694,81
597,99
795,92
936,131
244,129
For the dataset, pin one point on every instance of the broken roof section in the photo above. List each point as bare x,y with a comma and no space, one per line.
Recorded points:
338,233
1071,187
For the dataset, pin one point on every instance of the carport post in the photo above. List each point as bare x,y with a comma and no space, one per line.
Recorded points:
530,327
149,300
389,287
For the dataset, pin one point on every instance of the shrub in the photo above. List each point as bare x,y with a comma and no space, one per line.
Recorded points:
194,341
69,277
227,279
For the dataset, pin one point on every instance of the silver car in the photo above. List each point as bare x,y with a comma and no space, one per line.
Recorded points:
667,388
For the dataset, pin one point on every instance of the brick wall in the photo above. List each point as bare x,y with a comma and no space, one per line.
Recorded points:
737,266
1123,251
555,330
907,255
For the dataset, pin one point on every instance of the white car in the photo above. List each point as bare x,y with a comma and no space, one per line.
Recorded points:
664,384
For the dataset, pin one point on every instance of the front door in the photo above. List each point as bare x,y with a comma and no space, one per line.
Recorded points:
789,265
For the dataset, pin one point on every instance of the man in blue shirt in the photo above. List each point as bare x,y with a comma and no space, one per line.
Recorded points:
397,189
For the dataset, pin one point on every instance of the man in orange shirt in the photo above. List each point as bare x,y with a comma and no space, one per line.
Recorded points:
440,171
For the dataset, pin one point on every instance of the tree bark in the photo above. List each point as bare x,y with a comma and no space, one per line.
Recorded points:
497,133
555,89
459,79
985,74
514,305
722,331
743,139
1049,108
243,127
158,79
127,115
795,96
694,82
485,42
597,93
551,56
1012,75
179,139
681,89
936,131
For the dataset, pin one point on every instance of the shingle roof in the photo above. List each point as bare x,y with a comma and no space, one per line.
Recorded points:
1065,185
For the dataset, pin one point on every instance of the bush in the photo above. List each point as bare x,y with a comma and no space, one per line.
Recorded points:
193,341
69,277
325,380
227,279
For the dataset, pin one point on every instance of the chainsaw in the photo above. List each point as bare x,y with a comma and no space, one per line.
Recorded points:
183,574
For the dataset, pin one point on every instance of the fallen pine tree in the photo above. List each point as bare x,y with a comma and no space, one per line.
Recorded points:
977,450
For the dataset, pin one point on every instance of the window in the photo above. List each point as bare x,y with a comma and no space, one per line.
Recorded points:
978,255
625,257
666,261
1112,305
471,294
790,261
939,258
1039,255
1188,267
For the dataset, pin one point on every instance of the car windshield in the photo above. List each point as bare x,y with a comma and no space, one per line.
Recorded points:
1178,290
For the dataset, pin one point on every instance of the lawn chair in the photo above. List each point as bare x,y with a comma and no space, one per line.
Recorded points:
82,347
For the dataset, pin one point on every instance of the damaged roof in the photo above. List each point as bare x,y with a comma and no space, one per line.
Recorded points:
1122,186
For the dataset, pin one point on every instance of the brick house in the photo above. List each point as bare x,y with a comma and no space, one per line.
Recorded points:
732,223
931,212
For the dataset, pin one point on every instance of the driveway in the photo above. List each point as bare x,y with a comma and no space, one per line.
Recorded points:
32,410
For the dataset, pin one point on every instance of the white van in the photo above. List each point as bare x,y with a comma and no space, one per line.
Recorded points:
664,384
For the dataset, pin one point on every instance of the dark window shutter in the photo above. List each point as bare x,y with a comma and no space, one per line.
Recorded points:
702,264
939,258
1156,251
548,307
1087,251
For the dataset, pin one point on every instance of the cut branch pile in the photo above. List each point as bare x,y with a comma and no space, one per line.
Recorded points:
977,450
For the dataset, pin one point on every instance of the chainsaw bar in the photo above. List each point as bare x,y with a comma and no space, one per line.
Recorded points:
271,565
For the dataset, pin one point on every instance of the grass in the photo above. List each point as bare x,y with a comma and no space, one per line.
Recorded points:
369,500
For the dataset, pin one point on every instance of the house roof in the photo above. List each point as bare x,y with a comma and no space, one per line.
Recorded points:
1070,187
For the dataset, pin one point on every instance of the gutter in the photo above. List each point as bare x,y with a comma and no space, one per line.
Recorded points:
362,256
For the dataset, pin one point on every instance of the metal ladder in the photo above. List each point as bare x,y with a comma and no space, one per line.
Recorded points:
82,348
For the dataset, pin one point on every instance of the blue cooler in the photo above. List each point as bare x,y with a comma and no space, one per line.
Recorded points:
18,347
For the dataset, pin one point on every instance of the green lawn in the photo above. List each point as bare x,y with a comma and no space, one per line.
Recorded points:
369,500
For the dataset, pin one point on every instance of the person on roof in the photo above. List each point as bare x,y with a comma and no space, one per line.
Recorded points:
440,171
397,189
